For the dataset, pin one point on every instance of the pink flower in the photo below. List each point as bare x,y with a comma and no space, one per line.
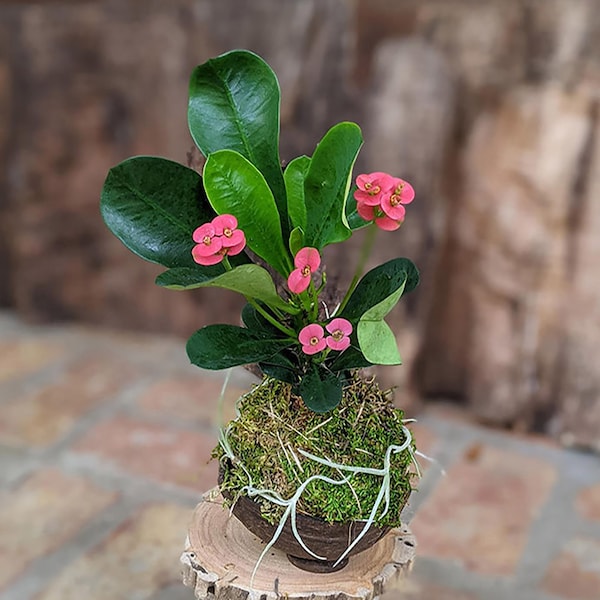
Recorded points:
312,339
392,204
381,198
208,245
232,238
372,213
372,187
340,330
217,239
307,261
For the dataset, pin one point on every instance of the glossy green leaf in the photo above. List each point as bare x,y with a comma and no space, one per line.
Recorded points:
281,366
381,309
250,280
377,342
235,186
378,284
153,206
352,358
234,104
321,390
375,338
327,184
256,323
223,346
296,240
355,221
294,176
182,278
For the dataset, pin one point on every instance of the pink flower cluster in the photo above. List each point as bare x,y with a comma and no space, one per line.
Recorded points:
313,340
306,261
217,239
381,197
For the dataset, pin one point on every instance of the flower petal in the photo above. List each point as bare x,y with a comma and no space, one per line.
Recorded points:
203,249
339,345
387,224
396,212
318,347
339,324
366,198
307,257
366,212
383,180
224,222
297,282
204,230
404,190
237,237
208,260
233,250
309,332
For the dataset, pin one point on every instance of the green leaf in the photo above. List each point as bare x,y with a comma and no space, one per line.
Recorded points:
378,284
352,358
377,342
250,280
281,367
256,323
235,186
153,206
223,346
294,176
355,221
188,278
234,104
375,338
327,184
321,390
296,240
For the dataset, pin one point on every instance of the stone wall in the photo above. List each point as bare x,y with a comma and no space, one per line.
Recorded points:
489,108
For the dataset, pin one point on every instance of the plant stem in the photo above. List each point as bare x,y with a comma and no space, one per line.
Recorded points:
289,332
315,299
365,252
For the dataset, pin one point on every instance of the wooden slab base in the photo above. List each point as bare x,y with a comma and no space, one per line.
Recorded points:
221,553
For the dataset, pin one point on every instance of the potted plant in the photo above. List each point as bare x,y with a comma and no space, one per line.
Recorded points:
318,460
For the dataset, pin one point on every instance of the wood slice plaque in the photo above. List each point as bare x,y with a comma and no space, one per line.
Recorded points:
220,555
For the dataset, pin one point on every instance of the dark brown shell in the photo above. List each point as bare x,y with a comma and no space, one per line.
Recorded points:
325,539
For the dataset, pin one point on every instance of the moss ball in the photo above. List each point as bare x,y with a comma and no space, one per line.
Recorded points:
274,424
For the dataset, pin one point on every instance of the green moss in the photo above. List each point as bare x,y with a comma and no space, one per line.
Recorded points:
274,424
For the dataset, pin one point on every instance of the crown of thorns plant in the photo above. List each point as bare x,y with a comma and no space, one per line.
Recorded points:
246,224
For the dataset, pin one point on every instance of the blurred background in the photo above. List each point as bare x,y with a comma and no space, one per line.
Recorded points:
490,109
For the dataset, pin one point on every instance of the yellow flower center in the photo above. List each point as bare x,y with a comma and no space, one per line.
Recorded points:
337,335
306,271
395,200
371,189
314,340
206,239
227,232
399,189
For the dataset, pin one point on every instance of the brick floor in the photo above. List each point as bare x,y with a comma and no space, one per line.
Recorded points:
158,452
588,503
42,513
481,512
43,417
575,573
18,357
104,442
134,561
